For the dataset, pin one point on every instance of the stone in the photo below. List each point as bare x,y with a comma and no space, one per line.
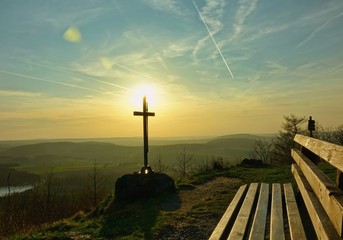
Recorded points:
252,163
137,186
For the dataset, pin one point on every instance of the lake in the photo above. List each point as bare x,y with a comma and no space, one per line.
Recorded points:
17,189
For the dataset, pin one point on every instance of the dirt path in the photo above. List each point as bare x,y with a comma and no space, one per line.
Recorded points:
195,210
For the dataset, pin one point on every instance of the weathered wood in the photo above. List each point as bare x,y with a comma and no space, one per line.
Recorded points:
330,152
229,215
339,179
320,220
330,196
276,219
296,228
259,224
241,223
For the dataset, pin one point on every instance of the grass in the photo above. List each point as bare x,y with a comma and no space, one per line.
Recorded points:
267,174
190,212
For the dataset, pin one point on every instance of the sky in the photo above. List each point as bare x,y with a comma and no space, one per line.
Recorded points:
73,69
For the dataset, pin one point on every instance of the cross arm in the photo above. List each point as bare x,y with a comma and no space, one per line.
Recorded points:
135,113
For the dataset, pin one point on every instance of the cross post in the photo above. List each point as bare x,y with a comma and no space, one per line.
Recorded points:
146,168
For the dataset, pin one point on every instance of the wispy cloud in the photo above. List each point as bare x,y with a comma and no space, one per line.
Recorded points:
72,16
246,7
117,67
212,13
9,93
53,81
215,43
320,28
171,6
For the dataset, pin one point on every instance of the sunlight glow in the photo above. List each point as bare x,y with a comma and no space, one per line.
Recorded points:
138,94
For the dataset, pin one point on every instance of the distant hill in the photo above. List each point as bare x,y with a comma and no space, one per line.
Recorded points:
124,141
245,136
133,141
70,156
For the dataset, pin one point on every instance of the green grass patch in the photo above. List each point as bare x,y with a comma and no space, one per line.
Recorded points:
267,174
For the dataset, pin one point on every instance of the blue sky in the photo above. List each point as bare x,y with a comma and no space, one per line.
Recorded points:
70,68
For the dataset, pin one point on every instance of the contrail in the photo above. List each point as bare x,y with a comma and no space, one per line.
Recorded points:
130,70
227,66
62,69
54,82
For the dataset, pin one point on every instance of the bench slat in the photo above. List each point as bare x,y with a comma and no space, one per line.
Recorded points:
229,215
320,220
296,228
239,228
276,222
330,152
260,218
330,196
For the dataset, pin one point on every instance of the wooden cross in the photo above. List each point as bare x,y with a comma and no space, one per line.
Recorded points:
145,115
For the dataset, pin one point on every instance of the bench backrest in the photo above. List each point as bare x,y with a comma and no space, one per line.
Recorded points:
323,198
329,152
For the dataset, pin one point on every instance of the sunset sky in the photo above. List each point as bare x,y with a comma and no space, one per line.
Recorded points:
71,69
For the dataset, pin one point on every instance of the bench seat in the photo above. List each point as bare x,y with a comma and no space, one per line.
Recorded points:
261,211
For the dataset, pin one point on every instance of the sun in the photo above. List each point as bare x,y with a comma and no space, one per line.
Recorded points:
147,91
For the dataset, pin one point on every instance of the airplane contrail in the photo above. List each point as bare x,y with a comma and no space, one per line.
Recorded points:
130,70
55,82
209,32
62,69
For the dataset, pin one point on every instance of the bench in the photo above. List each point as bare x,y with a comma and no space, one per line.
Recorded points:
323,198
261,211
270,211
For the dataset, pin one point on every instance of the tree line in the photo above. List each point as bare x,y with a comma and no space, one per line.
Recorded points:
278,149
51,199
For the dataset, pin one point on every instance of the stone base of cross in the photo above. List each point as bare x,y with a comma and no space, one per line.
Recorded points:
146,170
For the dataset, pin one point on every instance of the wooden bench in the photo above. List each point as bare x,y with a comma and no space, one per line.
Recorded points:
270,211
323,198
261,211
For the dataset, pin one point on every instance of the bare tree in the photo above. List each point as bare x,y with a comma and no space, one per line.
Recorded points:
330,134
158,163
49,196
96,187
292,124
262,150
284,142
185,162
325,133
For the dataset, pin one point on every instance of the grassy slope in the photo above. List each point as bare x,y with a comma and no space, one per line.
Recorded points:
169,216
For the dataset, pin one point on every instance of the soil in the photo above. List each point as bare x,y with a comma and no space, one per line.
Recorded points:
196,209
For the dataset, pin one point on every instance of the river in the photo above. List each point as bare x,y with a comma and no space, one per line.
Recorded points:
13,189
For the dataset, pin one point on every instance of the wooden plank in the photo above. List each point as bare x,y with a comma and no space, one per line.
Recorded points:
296,228
330,196
276,219
259,224
229,215
240,226
330,152
320,220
